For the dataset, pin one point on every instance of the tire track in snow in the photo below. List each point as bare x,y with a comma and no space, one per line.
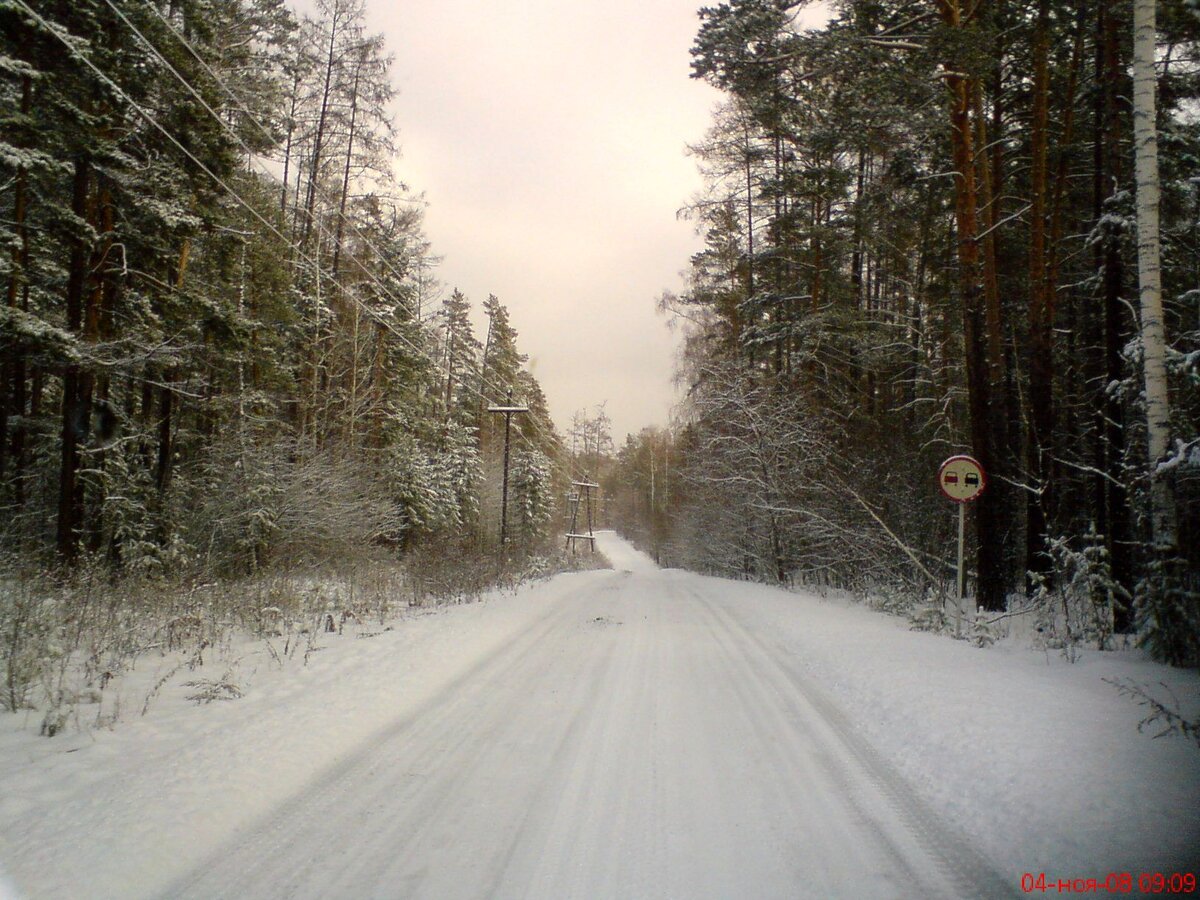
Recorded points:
790,743
849,759
261,861
636,740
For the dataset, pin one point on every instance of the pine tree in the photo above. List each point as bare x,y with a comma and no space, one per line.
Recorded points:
927,312
460,362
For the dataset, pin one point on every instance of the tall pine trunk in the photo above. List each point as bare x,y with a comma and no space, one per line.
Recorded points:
76,398
12,373
1112,498
985,363
1041,316
323,124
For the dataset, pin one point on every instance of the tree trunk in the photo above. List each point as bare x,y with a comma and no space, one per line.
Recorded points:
856,238
1112,501
1158,424
162,469
345,193
314,172
98,326
1041,318
980,330
749,212
75,399
12,373
294,102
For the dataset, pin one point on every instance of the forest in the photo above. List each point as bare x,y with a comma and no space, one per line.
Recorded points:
927,232
227,363
235,396
304,592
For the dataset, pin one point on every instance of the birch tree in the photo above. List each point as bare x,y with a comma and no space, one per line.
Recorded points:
1153,331
1169,612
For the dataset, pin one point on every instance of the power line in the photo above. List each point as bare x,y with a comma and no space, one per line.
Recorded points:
538,425
66,39
251,155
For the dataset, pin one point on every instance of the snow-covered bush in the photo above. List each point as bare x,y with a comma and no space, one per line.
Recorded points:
1074,603
27,632
1168,612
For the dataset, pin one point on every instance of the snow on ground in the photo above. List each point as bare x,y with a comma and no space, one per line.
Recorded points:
1036,760
103,813
695,750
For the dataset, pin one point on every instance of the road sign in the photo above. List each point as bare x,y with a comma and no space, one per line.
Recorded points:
962,479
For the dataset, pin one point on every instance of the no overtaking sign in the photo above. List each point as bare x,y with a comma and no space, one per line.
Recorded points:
962,479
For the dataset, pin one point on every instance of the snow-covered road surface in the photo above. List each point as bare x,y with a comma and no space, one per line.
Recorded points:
636,741
629,733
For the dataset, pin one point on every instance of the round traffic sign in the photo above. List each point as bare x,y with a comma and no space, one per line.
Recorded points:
962,479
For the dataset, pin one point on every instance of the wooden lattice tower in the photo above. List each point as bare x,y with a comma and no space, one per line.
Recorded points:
582,489
573,507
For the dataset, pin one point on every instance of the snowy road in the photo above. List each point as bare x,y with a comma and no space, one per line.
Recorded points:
637,739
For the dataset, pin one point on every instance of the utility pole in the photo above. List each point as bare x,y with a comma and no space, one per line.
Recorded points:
508,414
575,534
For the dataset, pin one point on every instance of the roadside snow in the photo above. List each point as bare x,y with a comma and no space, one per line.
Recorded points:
1037,762
1034,759
116,813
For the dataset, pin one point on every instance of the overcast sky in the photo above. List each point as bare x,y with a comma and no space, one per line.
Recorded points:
548,137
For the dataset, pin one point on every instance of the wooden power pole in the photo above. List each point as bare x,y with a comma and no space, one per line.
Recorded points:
508,414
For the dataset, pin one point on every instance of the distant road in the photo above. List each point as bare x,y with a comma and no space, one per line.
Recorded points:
640,740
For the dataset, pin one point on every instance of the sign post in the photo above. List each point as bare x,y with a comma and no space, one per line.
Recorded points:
961,479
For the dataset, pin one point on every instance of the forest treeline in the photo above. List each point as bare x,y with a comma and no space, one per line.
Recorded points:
921,238
223,346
